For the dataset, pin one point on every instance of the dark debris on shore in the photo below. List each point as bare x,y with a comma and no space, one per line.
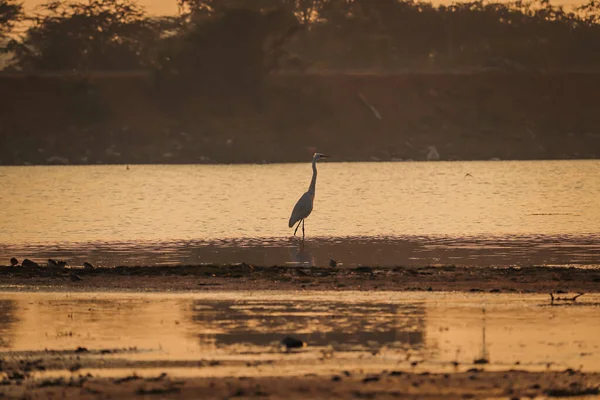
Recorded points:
244,276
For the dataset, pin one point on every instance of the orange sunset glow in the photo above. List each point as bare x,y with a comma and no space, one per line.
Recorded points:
299,199
169,7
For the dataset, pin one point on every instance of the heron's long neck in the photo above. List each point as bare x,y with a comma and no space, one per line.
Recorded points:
313,181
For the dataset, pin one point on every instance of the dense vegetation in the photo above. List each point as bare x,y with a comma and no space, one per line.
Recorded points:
248,39
11,13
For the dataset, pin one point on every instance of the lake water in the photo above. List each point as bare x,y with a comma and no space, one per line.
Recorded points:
393,213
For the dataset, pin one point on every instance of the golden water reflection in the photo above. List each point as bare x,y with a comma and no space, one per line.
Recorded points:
212,202
382,329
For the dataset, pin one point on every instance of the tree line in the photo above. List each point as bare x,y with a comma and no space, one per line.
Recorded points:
239,42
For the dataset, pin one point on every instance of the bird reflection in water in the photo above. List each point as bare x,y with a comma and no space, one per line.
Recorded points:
301,256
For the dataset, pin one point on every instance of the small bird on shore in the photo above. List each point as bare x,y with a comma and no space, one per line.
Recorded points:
332,263
14,262
304,206
29,264
87,265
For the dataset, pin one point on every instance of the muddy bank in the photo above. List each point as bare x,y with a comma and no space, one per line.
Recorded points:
348,384
356,117
247,277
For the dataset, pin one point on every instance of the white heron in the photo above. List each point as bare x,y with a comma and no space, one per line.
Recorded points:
304,206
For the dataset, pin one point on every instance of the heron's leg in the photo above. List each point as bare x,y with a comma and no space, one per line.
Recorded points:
302,229
297,226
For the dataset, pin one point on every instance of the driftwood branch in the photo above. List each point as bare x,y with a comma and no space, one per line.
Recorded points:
574,298
369,106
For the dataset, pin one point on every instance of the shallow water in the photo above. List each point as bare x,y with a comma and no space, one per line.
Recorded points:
372,330
530,212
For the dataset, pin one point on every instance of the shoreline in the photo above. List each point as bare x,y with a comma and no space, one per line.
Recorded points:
298,161
243,277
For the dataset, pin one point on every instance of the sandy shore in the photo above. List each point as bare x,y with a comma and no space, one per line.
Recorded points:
247,277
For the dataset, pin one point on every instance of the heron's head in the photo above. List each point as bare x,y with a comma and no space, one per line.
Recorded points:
317,156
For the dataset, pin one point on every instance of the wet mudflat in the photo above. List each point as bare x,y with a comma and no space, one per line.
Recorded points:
358,344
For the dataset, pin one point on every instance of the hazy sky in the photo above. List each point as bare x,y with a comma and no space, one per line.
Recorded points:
163,7
152,6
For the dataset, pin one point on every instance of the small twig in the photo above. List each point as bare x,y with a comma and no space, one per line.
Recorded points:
574,298
369,106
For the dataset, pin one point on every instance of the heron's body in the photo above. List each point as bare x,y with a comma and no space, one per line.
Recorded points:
304,206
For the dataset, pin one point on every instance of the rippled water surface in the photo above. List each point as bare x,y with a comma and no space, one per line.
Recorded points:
538,212
374,330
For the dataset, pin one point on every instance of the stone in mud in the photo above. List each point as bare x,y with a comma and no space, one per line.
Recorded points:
29,264
292,343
